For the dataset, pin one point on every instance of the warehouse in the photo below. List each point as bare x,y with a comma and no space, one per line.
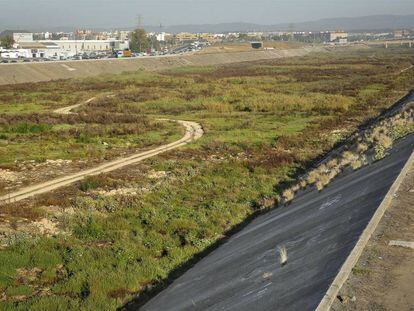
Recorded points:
62,49
73,47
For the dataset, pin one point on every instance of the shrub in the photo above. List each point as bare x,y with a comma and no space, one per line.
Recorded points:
288,195
379,152
313,177
27,128
90,183
88,227
356,164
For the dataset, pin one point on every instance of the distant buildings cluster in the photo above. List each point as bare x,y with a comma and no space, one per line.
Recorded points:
61,45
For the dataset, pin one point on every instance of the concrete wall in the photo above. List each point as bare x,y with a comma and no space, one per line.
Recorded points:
37,72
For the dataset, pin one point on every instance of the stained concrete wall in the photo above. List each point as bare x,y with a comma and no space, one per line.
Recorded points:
46,71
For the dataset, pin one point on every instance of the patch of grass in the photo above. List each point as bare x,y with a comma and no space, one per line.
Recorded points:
79,141
89,183
360,271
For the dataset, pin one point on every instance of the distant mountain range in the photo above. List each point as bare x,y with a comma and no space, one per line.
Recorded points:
367,23
376,22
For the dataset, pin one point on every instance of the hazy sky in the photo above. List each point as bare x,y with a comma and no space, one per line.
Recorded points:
124,13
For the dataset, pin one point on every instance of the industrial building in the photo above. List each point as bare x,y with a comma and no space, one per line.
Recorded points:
191,37
337,35
22,37
26,47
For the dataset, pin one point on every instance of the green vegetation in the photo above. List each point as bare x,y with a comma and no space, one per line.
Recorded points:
140,42
264,122
6,42
100,136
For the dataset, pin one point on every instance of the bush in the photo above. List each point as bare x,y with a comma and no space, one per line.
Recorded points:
87,227
90,183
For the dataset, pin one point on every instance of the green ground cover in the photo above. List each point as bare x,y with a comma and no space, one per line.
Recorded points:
263,121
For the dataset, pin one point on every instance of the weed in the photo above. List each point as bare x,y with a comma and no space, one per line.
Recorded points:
283,257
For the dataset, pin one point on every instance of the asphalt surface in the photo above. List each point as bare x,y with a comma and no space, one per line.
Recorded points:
319,230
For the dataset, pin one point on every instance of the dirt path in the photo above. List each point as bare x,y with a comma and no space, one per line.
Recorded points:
193,132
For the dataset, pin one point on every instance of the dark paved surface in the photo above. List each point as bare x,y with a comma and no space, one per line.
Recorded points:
319,231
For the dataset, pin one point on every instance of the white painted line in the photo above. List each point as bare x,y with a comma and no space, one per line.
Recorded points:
402,244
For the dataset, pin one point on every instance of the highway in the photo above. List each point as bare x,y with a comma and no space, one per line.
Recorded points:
319,230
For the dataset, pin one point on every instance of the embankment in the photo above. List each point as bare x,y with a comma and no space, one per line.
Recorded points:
46,71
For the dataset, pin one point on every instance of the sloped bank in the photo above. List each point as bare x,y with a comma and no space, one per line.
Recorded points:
38,72
319,230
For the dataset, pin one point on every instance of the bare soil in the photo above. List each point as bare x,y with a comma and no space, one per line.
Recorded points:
383,278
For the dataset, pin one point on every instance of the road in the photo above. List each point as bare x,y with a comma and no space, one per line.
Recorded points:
319,230
193,132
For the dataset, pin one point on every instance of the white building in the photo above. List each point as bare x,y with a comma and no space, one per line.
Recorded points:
336,35
80,46
68,48
160,36
22,37
73,47
37,50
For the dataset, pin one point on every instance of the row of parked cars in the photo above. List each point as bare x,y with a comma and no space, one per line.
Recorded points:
22,60
103,54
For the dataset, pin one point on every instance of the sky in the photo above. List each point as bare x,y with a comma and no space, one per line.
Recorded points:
124,13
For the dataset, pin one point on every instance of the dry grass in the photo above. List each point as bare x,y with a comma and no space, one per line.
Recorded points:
288,195
303,184
323,181
357,164
312,177
283,257
361,147
380,138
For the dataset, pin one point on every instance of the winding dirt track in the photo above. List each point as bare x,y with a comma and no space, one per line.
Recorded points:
193,132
